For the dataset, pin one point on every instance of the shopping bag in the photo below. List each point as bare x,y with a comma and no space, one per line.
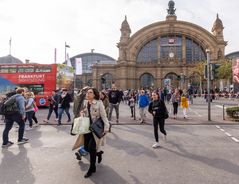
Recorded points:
81,125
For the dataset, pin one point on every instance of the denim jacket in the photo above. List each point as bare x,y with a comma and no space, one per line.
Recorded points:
21,104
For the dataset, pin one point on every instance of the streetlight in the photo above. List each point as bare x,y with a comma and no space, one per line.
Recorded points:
208,84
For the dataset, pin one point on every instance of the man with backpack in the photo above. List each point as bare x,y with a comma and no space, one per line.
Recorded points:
14,111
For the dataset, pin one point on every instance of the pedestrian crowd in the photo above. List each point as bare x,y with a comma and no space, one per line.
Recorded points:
97,107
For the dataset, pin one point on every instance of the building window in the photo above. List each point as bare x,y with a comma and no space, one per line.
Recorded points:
171,47
194,52
148,52
90,83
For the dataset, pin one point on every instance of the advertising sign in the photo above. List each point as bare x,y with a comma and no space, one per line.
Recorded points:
235,74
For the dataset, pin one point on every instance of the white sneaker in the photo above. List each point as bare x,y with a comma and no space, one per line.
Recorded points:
155,145
28,128
36,125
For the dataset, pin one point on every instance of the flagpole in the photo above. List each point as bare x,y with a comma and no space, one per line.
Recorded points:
10,46
55,55
65,51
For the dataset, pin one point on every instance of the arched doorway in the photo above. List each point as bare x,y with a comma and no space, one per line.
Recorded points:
146,81
106,81
90,83
171,79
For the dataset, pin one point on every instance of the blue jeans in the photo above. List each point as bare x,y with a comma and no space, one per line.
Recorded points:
9,120
51,109
29,115
60,112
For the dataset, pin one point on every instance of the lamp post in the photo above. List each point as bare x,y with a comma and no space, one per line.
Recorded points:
181,80
208,84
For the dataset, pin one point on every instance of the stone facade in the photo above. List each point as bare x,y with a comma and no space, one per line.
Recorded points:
127,73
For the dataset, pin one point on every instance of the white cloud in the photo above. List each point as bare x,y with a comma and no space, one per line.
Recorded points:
39,26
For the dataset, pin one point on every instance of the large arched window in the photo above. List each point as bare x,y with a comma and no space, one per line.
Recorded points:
148,52
171,47
146,80
194,52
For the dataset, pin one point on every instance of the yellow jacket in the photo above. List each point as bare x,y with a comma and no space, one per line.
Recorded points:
184,102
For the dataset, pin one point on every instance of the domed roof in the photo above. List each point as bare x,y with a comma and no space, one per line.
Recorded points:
232,55
9,59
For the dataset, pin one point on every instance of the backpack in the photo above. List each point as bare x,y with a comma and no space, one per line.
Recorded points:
9,106
2,106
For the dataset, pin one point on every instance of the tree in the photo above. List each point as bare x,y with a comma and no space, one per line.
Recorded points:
225,71
199,70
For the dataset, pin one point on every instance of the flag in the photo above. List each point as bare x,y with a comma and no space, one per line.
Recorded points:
78,66
67,46
68,61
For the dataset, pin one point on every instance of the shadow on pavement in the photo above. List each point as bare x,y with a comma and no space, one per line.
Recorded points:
19,170
217,163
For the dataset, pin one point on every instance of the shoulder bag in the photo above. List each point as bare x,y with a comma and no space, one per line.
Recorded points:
97,127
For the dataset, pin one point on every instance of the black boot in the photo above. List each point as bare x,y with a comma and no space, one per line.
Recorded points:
78,155
90,171
99,155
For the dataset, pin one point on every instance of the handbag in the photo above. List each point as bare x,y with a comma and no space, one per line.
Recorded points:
97,127
81,125
35,109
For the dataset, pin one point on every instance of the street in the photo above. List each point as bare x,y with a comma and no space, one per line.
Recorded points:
196,151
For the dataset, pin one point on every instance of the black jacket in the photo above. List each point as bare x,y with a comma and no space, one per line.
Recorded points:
65,102
157,108
114,96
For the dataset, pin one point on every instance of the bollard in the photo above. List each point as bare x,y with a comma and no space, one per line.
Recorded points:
223,113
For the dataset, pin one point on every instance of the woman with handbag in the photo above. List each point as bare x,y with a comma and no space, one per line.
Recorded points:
94,109
159,111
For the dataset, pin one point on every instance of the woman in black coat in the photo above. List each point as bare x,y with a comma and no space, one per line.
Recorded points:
158,109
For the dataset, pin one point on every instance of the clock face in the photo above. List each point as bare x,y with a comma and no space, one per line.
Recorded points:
171,54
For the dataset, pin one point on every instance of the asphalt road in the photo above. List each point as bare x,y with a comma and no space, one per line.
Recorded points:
193,153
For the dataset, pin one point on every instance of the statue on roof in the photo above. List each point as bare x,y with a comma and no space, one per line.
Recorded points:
171,10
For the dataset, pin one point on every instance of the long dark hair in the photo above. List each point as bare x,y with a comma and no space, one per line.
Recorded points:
96,93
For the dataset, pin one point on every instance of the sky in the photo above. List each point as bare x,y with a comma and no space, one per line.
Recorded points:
37,27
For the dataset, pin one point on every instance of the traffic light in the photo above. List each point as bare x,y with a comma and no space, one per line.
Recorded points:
212,71
205,71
